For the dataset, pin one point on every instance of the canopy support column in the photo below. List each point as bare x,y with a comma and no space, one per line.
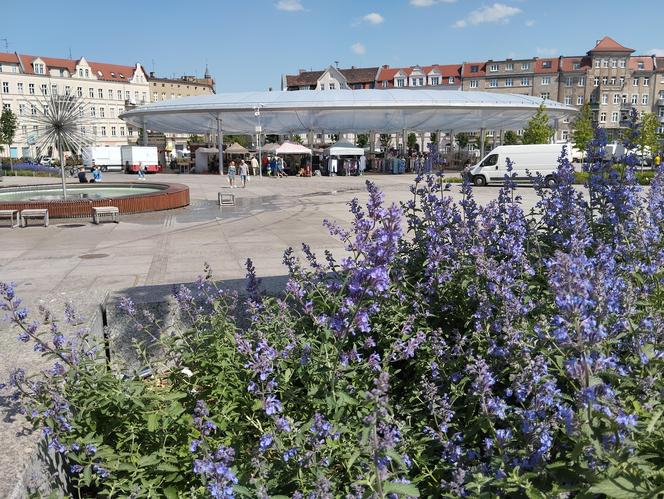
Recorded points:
144,138
481,143
220,145
403,142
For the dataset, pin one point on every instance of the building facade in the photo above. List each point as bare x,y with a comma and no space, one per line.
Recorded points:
107,90
332,78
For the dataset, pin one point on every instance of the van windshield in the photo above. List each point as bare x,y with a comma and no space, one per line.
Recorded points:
491,160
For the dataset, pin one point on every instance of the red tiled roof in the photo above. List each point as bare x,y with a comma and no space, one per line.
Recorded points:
647,61
8,57
112,72
352,75
608,44
445,70
567,63
540,69
660,64
481,66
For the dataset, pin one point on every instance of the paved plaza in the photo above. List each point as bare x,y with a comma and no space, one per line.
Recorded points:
82,262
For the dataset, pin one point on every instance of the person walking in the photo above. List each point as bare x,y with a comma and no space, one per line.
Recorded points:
254,166
244,173
141,171
96,174
231,174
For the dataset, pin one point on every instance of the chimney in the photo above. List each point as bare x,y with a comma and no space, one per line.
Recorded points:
352,67
386,66
300,71
152,74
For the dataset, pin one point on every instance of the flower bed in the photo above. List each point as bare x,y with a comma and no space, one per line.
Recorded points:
486,352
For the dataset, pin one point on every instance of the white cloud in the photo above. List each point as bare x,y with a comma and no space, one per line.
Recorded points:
374,18
359,48
429,3
529,23
546,52
496,13
657,52
290,5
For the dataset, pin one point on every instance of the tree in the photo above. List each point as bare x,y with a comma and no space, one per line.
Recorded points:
648,138
362,139
538,130
510,138
583,131
334,137
411,141
8,130
194,139
297,138
243,140
433,138
271,138
385,139
462,140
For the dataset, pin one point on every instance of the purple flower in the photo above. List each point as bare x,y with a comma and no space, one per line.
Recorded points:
265,442
272,405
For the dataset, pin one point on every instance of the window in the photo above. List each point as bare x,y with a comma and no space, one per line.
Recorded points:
622,80
110,94
621,63
93,111
602,117
509,82
596,81
597,62
5,87
493,68
101,112
8,107
491,160
119,94
100,93
130,131
80,72
44,89
127,95
581,82
450,80
54,89
474,69
94,130
605,64
546,64
525,82
635,82
565,135
39,69
401,82
579,100
435,80
613,80
163,94
122,131
19,87
525,66
509,67
91,93
83,130
644,99
568,100
87,73
616,98
103,131
646,81
21,109
546,80
641,65
113,131
613,63
155,96
33,110
605,98
545,95
614,117
635,98
332,87
605,80
569,81
473,83
67,90
623,99
24,129
493,83
576,65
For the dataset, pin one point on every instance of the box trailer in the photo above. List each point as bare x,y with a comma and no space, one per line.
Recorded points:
108,158
135,157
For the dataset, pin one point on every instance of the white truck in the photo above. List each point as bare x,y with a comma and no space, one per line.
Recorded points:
135,157
108,158
527,162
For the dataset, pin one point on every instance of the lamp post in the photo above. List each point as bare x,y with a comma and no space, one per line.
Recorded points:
259,132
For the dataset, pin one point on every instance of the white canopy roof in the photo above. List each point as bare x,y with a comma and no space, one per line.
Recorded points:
343,111
292,148
344,149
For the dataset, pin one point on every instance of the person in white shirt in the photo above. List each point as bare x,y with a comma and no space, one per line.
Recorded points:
254,166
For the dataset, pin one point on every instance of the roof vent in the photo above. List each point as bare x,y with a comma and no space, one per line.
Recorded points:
122,76
99,73
113,74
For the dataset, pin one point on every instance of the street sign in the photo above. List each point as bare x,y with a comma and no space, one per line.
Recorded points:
259,129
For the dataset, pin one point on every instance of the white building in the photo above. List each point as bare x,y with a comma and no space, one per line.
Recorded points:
25,82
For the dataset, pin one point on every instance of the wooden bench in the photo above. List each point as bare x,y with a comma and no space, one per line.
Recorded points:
34,213
226,199
100,211
10,215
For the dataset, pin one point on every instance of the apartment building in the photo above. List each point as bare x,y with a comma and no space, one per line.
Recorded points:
107,89
332,78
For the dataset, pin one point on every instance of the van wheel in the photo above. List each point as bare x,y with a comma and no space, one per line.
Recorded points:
550,182
479,181
104,168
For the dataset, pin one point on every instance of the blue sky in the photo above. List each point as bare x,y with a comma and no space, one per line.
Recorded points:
249,44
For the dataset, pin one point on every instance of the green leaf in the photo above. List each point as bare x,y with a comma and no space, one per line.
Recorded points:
618,488
153,422
653,420
405,489
149,460
171,493
346,399
351,460
168,467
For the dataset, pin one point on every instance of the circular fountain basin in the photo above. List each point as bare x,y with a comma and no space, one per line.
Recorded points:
128,197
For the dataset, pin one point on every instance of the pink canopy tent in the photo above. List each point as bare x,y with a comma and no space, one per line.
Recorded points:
292,148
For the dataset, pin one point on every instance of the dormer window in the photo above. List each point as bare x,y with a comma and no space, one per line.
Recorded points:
474,69
39,69
80,72
576,65
546,64
641,65
87,73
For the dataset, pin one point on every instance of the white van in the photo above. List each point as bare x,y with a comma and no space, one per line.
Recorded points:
107,158
526,160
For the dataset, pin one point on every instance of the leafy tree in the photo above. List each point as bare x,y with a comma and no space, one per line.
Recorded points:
583,131
194,139
433,138
271,138
243,140
538,130
335,137
463,140
385,139
8,125
297,138
510,138
411,142
362,139
648,138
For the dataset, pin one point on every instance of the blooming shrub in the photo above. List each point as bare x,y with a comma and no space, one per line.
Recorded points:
456,350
